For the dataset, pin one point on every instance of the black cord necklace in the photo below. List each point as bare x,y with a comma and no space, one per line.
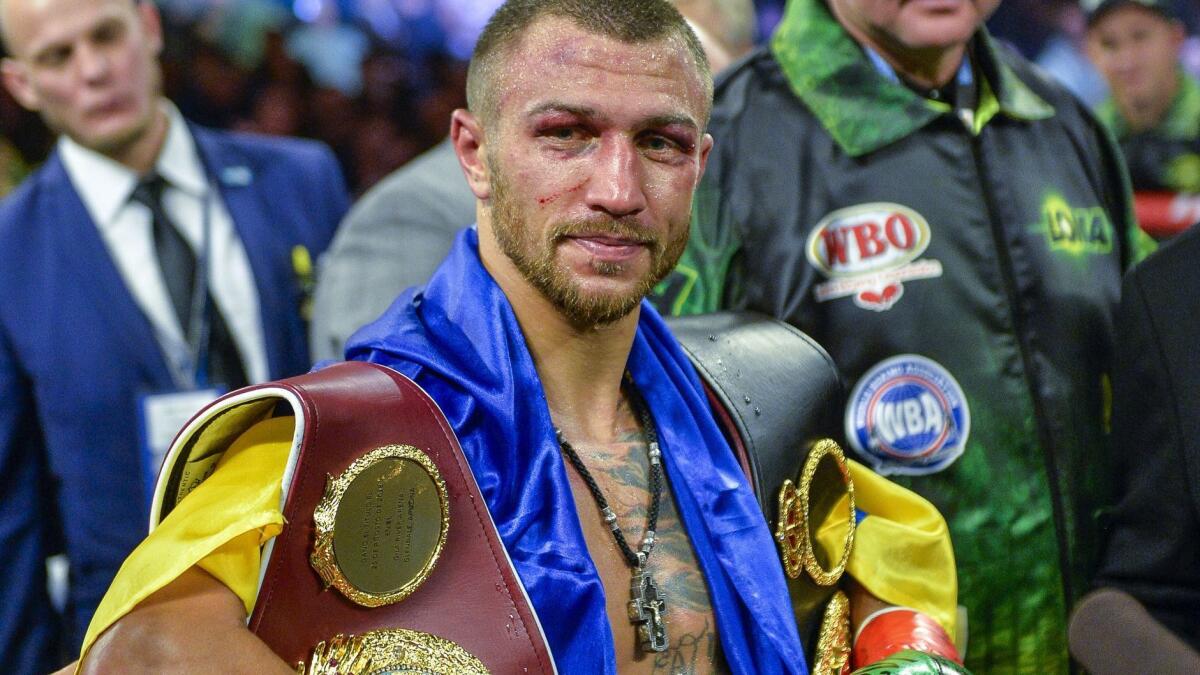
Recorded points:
647,606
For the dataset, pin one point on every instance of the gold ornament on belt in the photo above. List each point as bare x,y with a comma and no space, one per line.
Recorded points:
381,526
390,651
812,503
833,642
805,506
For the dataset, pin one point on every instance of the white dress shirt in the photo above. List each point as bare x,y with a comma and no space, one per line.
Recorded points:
105,186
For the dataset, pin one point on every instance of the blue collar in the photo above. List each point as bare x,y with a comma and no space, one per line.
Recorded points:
965,76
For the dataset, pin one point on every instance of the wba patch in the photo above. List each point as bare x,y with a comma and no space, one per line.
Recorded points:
908,415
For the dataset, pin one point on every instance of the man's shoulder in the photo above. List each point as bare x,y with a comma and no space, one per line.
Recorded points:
755,107
745,85
301,152
20,209
1171,271
1066,104
429,191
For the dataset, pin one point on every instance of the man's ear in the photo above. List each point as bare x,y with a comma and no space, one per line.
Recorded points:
706,146
16,81
1178,35
151,26
466,133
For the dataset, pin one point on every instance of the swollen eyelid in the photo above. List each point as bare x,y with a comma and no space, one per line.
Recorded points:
563,133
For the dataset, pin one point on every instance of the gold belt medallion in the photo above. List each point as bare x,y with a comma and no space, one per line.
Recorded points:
387,652
804,506
381,526
819,502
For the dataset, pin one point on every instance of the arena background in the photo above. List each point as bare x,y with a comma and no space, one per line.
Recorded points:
377,79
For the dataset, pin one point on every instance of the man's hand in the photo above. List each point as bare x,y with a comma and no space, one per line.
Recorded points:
192,625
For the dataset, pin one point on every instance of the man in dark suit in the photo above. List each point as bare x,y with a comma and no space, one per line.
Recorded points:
1153,548
148,265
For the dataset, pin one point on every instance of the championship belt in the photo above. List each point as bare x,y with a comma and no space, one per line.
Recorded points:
389,561
776,394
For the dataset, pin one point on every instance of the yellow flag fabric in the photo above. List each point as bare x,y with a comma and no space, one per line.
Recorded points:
902,552
221,527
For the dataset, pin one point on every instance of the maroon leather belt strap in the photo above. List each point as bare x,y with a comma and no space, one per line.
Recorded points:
472,597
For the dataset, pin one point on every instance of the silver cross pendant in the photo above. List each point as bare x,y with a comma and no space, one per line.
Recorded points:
647,610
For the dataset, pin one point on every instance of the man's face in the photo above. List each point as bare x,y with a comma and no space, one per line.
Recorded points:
87,66
1137,51
914,25
593,155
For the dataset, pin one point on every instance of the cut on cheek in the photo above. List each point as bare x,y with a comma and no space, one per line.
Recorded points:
553,196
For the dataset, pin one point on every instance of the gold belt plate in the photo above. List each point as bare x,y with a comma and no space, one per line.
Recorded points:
381,526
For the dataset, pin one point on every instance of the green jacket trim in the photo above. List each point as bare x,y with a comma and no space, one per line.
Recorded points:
860,108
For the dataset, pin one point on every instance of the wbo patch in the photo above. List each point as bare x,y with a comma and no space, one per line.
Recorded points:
908,415
868,251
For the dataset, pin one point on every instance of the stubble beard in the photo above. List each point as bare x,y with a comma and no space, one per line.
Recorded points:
535,258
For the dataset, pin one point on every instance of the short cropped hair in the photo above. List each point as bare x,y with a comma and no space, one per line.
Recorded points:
628,21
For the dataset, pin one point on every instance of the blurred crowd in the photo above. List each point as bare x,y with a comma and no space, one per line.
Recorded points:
377,79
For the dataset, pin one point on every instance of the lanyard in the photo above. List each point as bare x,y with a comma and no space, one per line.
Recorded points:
189,368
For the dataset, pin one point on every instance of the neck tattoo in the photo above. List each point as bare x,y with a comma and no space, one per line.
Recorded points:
647,607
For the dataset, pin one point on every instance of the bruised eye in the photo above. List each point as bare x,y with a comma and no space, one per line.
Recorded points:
563,133
658,145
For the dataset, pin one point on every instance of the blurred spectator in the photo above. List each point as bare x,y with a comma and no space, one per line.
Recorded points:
1063,55
241,29
1154,109
146,265
331,49
1136,44
12,167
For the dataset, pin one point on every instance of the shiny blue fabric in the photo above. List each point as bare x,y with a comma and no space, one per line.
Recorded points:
458,338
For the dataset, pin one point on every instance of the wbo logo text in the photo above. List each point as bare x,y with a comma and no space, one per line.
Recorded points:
868,252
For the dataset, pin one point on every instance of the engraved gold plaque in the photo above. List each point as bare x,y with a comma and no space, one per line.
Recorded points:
381,526
804,506
398,651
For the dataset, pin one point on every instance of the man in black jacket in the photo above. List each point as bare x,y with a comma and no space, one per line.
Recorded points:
953,227
1154,547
